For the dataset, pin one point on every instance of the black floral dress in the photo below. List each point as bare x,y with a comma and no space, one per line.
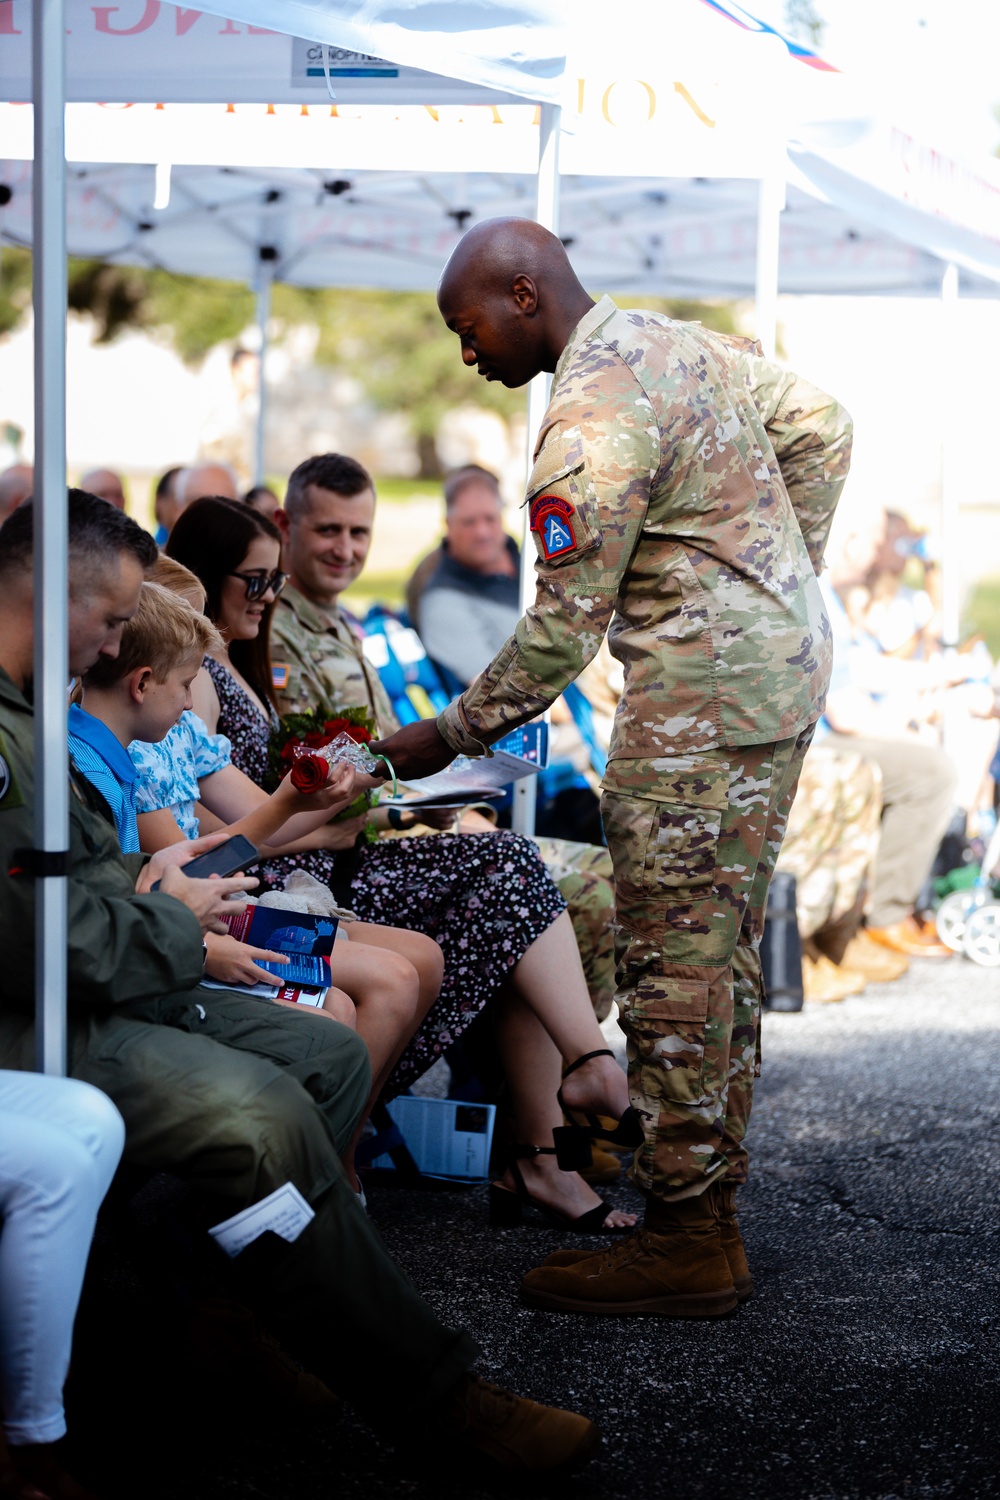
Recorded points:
484,897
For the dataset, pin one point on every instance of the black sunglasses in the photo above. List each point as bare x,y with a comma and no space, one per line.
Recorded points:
256,585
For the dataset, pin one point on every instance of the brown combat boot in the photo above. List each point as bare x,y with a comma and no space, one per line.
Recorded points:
674,1266
512,1431
724,1198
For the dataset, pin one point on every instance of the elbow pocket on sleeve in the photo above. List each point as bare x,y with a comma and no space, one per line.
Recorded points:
562,512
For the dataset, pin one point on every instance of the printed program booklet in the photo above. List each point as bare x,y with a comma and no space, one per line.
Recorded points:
297,933
524,752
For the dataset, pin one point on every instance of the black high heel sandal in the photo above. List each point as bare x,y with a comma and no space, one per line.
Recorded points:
573,1142
507,1208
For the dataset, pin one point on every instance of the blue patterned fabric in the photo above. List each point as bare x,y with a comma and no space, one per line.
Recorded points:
105,762
169,772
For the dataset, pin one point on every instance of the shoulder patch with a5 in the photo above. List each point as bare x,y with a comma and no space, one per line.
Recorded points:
560,510
552,518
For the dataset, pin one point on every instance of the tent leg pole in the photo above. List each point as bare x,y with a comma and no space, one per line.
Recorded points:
951,548
770,203
263,316
951,541
547,213
51,625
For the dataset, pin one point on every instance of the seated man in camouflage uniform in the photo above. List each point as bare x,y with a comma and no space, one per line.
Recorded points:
319,664
681,496
830,846
234,1094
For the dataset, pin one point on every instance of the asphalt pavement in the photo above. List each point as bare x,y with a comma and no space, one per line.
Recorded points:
867,1363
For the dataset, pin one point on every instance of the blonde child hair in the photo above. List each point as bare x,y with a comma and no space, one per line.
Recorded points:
174,576
164,633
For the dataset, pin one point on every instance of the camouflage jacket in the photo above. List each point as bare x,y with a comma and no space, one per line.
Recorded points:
317,662
681,495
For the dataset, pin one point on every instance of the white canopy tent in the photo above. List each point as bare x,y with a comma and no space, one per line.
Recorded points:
678,237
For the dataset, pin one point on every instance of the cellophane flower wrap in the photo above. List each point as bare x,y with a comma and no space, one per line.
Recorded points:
313,731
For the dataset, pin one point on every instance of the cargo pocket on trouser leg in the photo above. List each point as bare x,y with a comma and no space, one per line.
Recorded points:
675,1078
664,844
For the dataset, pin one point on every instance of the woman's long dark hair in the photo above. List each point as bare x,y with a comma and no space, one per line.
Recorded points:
212,536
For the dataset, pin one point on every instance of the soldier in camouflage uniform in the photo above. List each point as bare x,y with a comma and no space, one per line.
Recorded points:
318,663
832,837
680,499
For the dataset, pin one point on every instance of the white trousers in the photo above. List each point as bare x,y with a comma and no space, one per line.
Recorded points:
60,1142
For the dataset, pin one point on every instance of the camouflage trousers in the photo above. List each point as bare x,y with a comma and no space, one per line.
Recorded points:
694,841
832,836
585,878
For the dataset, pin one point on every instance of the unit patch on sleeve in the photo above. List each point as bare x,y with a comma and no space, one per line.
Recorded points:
552,518
279,676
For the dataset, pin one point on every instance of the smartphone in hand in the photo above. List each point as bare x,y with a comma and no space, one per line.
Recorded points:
225,859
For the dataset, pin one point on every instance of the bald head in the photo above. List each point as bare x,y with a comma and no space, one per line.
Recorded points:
205,479
106,485
513,298
16,484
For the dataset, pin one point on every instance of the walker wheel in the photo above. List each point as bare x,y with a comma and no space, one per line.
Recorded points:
982,936
953,914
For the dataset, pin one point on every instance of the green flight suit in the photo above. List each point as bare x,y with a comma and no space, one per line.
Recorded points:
232,1093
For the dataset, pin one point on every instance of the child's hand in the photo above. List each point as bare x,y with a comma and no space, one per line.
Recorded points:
232,962
339,790
342,835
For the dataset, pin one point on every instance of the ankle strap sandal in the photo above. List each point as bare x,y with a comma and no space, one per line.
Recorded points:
573,1142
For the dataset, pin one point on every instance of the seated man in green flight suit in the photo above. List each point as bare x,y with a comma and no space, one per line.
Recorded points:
234,1094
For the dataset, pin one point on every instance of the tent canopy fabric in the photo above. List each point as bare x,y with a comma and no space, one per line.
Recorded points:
899,186
678,237
154,51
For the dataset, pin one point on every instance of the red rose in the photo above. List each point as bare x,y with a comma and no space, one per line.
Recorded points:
309,773
356,732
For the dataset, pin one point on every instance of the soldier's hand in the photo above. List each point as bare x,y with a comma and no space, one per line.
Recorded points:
441,818
207,899
415,750
174,856
341,835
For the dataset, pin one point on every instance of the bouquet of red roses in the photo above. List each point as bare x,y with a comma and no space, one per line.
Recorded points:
299,734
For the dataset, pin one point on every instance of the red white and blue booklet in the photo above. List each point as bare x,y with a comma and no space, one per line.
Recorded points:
308,940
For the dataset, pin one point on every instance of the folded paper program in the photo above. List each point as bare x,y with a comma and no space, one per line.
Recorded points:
285,1212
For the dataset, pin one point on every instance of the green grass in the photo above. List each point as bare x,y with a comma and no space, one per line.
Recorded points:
397,491
983,613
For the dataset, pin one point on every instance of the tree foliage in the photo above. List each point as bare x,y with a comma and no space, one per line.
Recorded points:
804,21
15,287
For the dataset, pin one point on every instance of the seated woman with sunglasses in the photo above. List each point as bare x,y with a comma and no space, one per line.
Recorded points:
486,898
